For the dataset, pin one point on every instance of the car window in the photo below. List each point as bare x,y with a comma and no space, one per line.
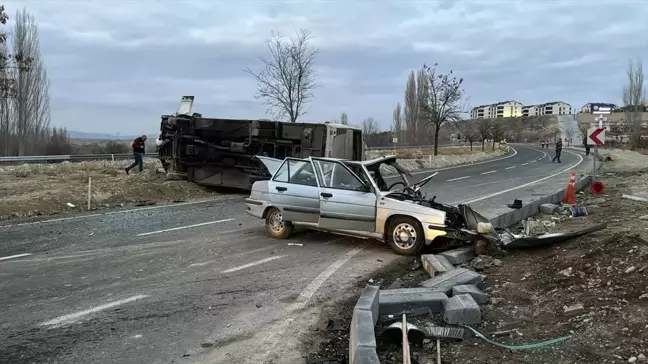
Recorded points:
359,171
336,176
298,172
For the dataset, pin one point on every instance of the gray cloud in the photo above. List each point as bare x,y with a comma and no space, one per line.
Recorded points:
116,67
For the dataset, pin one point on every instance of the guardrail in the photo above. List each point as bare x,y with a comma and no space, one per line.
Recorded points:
69,158
88,157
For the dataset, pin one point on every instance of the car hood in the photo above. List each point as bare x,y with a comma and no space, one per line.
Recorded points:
272,164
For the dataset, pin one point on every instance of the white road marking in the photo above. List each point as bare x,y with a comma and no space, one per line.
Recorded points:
247,252
73,317
527,184
489,172
269,342
184,227
511,167
524,164
115,212
470,164
241,267
313,286
456,179
16,256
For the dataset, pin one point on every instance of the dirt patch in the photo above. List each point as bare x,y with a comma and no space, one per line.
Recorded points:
605,272
46,189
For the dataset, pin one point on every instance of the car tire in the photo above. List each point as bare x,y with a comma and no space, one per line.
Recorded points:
401,228
276,226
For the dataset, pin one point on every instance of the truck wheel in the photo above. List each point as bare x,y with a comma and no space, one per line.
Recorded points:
276,226
405,236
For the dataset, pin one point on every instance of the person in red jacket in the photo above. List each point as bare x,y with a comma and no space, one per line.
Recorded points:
139,149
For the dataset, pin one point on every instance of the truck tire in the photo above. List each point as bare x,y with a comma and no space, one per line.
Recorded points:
276,226
405,235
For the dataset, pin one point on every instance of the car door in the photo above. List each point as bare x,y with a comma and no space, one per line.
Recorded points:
345,202
294,190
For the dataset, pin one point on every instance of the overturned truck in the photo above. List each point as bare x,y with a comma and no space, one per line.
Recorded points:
220,152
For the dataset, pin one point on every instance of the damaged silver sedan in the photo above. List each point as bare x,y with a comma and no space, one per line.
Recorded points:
354,198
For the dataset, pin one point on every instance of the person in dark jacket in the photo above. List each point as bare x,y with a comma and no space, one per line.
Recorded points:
558,151
139,149
587,147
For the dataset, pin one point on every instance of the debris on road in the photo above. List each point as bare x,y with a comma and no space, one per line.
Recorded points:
571,286
70,205
295,244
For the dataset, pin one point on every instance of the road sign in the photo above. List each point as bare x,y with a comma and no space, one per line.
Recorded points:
600,120
596,136
394,140
602,108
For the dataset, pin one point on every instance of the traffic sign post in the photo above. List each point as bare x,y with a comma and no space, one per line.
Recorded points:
596,136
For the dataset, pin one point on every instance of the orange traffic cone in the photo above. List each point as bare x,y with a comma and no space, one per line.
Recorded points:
570,193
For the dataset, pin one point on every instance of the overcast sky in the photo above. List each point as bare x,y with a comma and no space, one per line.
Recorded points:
116,66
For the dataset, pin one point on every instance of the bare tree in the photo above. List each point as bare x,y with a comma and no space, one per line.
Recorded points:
634,94
570,133
468,130
397,123
442,104
411,108
370,129
483,128
24,103
287,81
344,119
497,133
31,102
422,117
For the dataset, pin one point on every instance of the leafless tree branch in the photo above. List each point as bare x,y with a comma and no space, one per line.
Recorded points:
287,81
634,95
442,103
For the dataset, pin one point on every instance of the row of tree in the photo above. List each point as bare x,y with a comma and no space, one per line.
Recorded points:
24,92
433,100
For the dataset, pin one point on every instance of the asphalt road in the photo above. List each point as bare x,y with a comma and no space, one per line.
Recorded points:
202,282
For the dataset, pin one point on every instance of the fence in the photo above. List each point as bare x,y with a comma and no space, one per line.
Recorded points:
88,157
68,158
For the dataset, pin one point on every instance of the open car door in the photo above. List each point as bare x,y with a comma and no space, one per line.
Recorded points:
346,203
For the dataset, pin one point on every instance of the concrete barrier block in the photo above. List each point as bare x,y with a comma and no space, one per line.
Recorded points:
368,301
459,255
361,333
461,310
456,277
365,355
477,294
436,264
397,300
548,208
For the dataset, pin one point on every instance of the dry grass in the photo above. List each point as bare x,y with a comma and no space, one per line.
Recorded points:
44,189
424,153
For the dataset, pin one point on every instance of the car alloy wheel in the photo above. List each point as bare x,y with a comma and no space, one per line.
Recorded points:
276,222
404,236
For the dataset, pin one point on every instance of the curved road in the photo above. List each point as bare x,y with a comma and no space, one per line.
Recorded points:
201,282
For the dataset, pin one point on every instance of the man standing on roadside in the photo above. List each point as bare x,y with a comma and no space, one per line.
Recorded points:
138,153
558,151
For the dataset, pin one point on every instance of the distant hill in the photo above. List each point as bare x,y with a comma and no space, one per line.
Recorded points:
100,136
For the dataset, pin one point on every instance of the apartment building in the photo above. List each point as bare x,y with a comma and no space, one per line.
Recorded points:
554,108
530,110
503,109
549,108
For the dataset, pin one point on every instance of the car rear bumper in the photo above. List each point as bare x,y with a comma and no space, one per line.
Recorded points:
255,208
